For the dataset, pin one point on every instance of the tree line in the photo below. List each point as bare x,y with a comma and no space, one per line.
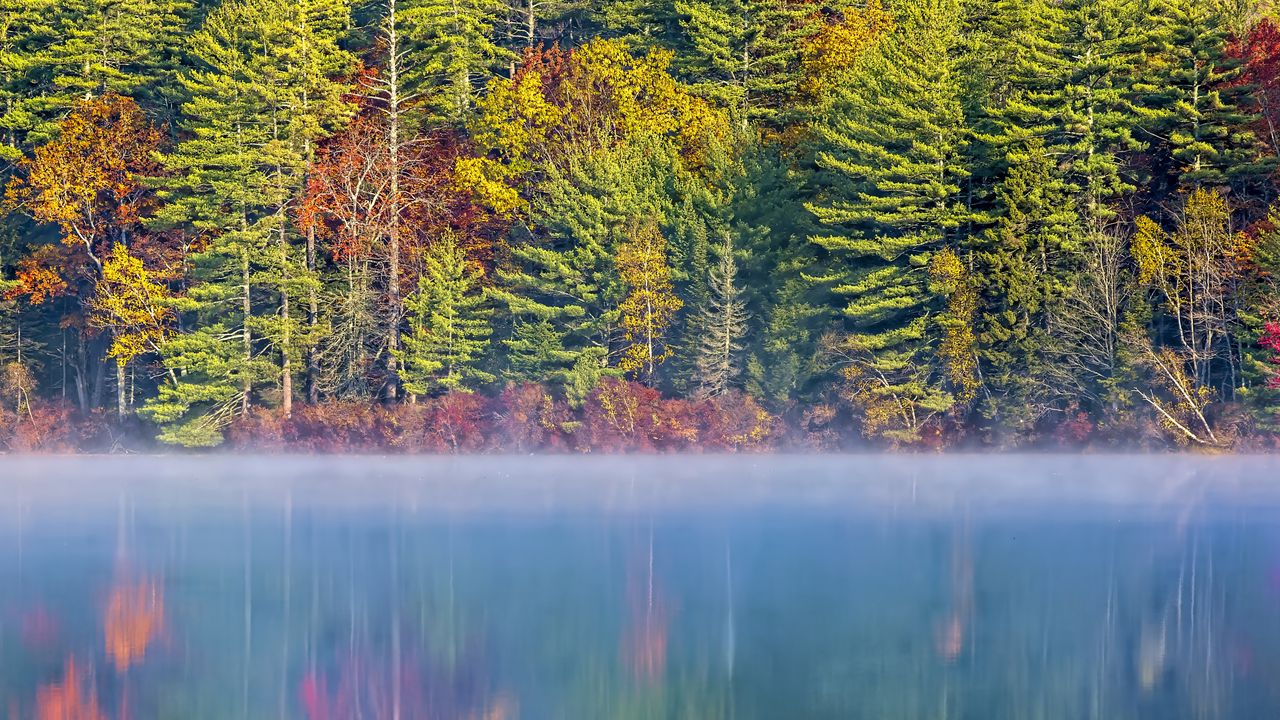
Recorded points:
813,223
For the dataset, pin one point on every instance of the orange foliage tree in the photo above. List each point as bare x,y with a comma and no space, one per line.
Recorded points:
89,181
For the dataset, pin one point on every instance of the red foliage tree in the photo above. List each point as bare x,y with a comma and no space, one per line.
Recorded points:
369,234
1271,341
1260,53
529,419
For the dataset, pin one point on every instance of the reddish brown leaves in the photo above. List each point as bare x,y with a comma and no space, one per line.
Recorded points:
1271,341
1260,53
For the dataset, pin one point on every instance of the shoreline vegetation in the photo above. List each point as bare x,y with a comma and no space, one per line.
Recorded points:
416,226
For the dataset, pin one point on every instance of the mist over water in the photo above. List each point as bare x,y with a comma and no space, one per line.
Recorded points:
677,587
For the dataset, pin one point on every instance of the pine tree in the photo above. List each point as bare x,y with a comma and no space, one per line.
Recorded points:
890,155
449,325
1028,260
721,327
766,59
535,352
24,32
778,261
644,24
453,51
1192,101
719,58
567,275
127,47
259,97
1069,85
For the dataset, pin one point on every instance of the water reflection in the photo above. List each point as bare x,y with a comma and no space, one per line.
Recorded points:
455,591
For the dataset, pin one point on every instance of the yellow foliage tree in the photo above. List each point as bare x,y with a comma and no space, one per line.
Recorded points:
560,105
651,303
832,54
958,350
1191,272
135,306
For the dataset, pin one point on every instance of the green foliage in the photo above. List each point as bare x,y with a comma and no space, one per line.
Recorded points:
1028,260
1190,99
891,156
249,122
1013,221
448,323
452,51
721,327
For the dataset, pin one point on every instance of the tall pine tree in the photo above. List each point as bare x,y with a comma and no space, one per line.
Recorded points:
259,95
891,163
449,325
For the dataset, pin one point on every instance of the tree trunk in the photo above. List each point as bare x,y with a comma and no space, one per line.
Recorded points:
120,397
246,307
286,337
313,319
393,240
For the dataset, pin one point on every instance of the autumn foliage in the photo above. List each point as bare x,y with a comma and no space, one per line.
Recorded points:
1259,51
618,416
1271,341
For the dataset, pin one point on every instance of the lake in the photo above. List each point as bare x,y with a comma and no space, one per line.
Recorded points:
679,587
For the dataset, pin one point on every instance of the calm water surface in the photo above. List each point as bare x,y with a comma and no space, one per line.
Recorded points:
780,588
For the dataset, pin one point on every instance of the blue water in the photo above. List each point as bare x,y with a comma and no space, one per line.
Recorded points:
849,587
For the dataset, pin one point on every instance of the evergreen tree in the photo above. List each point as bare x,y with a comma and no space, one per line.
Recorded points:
453,51
448,323
644,24
767,58
1192,101
128,47
258,97
567,275
778,261
1069,85
1028,260
535,352
722,327
24,32
891,157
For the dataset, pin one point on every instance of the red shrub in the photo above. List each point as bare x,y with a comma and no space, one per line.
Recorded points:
737,422
340,427
619,416
528,419
459,422
262,430
45,427
1271,340
1075,429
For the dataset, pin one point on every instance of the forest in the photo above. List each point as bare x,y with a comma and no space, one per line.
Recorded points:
639,225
